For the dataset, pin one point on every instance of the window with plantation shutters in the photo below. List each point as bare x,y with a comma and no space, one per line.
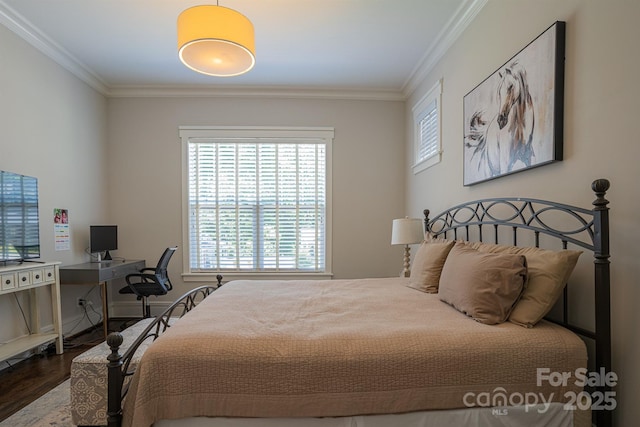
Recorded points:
257,200
426,114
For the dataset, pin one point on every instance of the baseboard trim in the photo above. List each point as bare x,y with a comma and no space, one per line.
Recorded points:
133,309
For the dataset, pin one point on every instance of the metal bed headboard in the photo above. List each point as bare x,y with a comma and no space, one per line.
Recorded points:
587,229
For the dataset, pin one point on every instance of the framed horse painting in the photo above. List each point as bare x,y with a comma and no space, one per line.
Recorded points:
513,120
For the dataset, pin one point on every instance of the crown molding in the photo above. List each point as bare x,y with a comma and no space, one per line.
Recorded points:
16,23
454,28
365,94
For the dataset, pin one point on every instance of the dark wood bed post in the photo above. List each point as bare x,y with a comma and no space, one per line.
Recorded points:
115,379
601,261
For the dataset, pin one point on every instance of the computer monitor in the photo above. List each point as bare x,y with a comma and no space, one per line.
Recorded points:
103,238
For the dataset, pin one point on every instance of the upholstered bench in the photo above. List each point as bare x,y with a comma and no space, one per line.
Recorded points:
89,377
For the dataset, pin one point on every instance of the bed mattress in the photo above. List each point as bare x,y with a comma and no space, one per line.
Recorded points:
340,348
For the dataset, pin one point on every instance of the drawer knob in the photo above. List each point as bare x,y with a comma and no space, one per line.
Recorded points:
37,276
24,278
7,282
49,274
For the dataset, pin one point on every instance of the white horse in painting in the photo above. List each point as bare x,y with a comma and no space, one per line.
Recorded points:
504,143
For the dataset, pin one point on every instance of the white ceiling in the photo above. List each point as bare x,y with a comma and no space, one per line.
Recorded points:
332,46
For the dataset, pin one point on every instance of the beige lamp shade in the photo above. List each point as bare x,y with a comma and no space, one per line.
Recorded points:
406,231
216,41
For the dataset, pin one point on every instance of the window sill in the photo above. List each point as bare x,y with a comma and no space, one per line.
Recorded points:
228,276
427,163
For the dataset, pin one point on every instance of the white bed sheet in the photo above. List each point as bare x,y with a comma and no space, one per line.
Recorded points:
520,416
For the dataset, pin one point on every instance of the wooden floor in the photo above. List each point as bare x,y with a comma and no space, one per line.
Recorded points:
27,380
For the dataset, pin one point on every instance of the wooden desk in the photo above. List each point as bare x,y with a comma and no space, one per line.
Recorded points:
99,273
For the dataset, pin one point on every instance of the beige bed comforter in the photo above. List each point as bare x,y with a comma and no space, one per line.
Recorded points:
338,348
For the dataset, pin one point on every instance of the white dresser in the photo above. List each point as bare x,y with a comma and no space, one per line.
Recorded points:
33,278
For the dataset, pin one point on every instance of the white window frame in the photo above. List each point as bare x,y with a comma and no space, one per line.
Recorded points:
429,103
208,132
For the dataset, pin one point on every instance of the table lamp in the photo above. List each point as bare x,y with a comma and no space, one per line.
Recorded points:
406,231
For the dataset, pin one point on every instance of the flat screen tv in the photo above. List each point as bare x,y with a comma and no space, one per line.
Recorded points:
19,222
103,238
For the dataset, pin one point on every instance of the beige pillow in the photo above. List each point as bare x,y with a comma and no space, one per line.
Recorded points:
427,266
549,272
482,285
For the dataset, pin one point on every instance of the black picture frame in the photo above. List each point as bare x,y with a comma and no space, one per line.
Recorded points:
513,120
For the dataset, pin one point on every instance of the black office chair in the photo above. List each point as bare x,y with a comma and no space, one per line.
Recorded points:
150,281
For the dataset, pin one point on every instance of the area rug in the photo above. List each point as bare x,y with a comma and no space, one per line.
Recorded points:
52,409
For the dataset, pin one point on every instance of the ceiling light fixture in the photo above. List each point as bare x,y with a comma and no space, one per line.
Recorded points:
216,41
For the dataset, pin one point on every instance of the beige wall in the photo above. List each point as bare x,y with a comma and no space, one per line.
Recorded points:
600,139
145,186
53,128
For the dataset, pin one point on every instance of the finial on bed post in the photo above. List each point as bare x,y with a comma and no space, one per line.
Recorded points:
601,220
600,187
602,287
114,378
426,220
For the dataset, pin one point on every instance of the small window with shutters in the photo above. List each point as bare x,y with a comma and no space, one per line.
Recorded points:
257,200
426,115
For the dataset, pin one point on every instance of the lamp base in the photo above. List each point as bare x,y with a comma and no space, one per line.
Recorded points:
406,271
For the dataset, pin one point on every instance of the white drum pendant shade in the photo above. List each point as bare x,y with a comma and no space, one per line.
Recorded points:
216,41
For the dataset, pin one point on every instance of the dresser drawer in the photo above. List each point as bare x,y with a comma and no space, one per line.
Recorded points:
37,276
7,281
49,274
24,279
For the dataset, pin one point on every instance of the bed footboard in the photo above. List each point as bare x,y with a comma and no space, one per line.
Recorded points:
119,367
